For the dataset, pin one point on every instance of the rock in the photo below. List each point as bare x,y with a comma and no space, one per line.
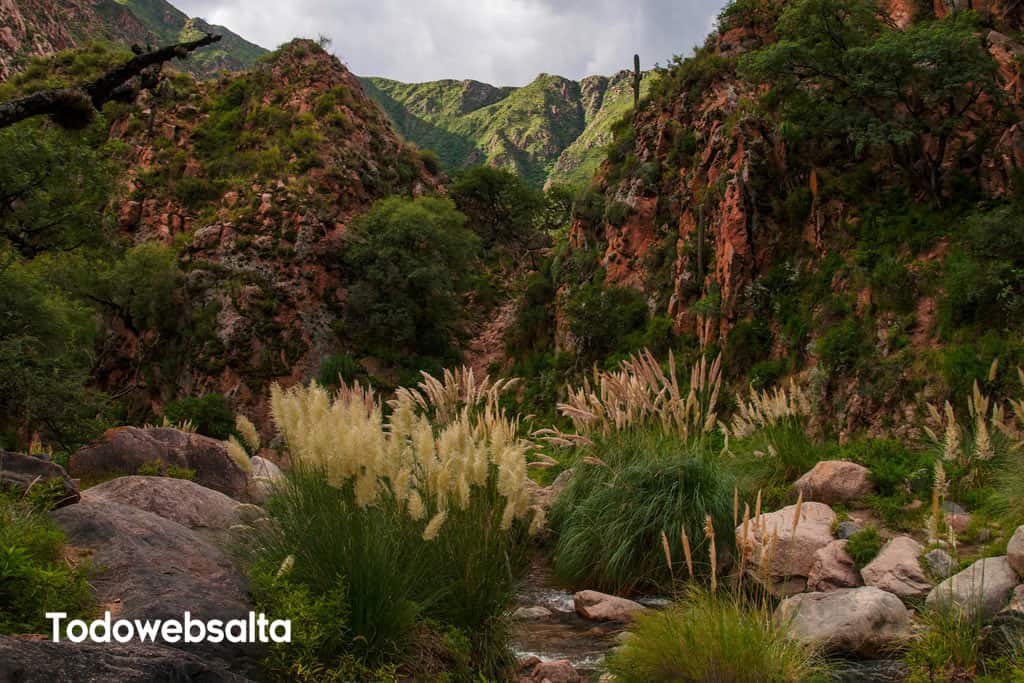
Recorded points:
531,613
1006,631
556,671
265,475
959,521
793,555
985,585
67,662
1015,551
22,471
846,529
951,508
154,568
835,481
123,450
862,622
868,671
833,569
178,500
897,569
603,607
247,513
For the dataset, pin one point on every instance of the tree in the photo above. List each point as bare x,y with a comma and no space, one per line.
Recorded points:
500,206
408,262
841,70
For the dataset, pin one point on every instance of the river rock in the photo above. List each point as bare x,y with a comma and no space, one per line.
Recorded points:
19,471
862,622
178,500
603,607
23,660
1006,631
531,613
1015,551
264,476
833,568
897,569
123,450
554,671
835,481
793,555
986,586
154,568
846,529
940,564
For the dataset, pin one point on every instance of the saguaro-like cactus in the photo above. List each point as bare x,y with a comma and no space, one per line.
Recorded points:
636,81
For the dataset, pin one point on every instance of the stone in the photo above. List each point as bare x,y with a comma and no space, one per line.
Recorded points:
531,613
179,500
835,481
265,475
603,607
940,564
951,508
67,662
1006,631
862,622
848,528
980,590
833,569
897,569
555,671
20,471
123,450
154,568
793,555
1015,551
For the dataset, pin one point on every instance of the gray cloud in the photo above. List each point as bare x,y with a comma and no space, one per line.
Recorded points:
504,42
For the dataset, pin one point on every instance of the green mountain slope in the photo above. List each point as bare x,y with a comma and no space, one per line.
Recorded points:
169,25
552,130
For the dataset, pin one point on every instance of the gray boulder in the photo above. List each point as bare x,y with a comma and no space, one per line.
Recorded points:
19,471
861,622
1015,551
940,564
833,568
896,569
985,586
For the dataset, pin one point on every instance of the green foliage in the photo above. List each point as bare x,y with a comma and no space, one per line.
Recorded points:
603,319
499,206
897,471
863,546
748,343
156,468
409,263
773,457
210,414
842,345
710,637
337,368
610,518
34,576
692,76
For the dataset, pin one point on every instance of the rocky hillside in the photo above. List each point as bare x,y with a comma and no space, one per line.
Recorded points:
797,232
552,130
32,28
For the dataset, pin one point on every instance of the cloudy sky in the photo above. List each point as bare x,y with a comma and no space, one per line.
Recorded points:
503,42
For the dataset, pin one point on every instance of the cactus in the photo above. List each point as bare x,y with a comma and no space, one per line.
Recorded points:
636,82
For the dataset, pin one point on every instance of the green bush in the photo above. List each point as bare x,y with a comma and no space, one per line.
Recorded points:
210,414
34,576
863,546
713,638
842,345
340,367
602,319
610,518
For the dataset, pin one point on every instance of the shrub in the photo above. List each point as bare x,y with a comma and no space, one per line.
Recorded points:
337,369
426,511
863,546
209,414
842,345
602,319
34,576
712,638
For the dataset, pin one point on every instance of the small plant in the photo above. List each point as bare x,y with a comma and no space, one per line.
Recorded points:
709,637
209,414
863,546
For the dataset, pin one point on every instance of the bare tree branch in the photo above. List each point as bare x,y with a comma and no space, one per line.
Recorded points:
74,107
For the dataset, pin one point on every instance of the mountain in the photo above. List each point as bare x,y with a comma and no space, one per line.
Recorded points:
552,130
32,28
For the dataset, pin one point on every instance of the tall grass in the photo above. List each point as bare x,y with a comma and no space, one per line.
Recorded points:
421,515
712,637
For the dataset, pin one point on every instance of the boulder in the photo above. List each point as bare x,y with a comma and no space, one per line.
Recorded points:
178,500
264,476
154,568
790,561
1006,631
555,671
861,622
833,569
835,481
603,607
531,613
940,564
1015,551
897,569
22,471
23,660
123,450
980,590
